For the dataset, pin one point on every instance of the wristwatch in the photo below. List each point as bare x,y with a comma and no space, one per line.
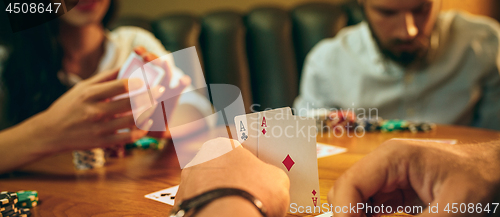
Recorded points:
194,204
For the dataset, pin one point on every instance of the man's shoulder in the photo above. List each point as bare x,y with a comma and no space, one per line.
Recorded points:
471,26
349,39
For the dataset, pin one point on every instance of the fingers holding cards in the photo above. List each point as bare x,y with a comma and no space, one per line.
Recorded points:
288,142
247,127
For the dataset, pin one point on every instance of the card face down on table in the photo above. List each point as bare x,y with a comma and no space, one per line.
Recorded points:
288,142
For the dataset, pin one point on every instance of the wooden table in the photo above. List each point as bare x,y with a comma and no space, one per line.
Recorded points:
119,188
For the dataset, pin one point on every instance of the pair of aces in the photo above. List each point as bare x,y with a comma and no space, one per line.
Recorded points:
288,142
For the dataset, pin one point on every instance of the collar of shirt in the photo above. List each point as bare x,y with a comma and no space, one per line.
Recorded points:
383,66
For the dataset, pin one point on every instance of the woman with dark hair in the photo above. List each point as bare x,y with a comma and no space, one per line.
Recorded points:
57,80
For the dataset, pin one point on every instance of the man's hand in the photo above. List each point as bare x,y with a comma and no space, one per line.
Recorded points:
237,168
402,173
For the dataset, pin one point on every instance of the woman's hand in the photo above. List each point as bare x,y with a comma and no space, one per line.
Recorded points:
168,102
86,117
234,166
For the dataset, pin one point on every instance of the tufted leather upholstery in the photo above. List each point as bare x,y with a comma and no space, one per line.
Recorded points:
222,42
271,57
312,23
262,52
131,21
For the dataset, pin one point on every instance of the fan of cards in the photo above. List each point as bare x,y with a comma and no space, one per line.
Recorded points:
135,67
288,142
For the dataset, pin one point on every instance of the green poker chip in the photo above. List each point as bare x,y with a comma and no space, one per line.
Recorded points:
147,143
27,199
394,126
27,195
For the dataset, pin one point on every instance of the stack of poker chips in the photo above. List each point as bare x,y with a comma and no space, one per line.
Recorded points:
89,159
402,125
320,115
329,120
27,199
148,143
389,126
10,206
421,127
96,158
340,118
368,125
117,151
394,126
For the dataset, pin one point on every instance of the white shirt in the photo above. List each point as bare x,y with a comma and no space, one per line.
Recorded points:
459,82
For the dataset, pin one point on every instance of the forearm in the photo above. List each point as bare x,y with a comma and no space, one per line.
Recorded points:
21,144
230,206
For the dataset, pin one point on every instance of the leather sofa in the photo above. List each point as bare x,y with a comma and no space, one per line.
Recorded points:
262,52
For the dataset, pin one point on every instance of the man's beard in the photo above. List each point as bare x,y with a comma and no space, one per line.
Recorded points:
403,58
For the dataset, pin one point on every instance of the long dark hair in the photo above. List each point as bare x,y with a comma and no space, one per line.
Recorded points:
29,78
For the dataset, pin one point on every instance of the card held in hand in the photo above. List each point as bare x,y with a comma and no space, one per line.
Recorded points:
289,143
247,126
135,67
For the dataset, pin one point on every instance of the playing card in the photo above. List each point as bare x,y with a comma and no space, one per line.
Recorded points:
290,144
165,196
246,128
135,67
445,141
325,150
326,214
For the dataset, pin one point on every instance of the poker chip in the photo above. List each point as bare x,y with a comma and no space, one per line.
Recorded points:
4,199
118,151
11,202
394,126
340,118
8,213
7,199
320,115
25,211
330,120
8,208
368,125
27,199
421,127
96,158
89,159
147,143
